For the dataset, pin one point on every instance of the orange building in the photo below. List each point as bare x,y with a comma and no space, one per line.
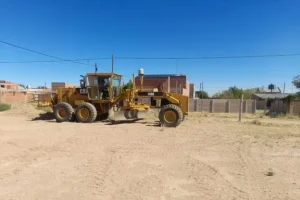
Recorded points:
173,83
9,85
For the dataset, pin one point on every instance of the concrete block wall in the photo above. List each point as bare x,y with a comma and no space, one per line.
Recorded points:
296,107
261,104
221,105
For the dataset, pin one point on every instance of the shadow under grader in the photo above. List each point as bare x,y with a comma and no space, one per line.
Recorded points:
49,117
154,124
122,122
44,117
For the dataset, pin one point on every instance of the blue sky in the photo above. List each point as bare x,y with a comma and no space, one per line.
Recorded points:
92,29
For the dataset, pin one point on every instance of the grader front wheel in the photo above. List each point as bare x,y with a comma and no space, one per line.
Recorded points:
86,113
170,115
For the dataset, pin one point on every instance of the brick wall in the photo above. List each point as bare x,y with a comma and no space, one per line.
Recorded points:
9,85
192,90
178,84
151,83
15,96
55,85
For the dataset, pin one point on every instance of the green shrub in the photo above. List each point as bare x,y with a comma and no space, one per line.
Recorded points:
4,107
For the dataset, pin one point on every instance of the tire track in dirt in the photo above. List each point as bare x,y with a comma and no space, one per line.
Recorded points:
31,155
244,152
26,158
96,170
205,175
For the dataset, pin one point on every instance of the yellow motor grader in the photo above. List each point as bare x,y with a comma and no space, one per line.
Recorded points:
101,95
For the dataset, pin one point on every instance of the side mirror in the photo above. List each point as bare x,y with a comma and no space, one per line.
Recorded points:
82,83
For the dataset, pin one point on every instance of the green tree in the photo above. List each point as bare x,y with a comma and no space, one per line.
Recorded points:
231,93
200,94
296,81
128,85
22,85
42,87
235,93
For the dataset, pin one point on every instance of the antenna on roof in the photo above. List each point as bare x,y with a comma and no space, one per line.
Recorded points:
112,63
96,68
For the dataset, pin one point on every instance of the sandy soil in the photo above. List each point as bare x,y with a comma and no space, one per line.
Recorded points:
207,157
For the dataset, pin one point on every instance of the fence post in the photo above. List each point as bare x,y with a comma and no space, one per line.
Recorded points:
195,105
291,107
202,105
241,108
266,101
169,84
246,106
212,106
254,106
228,106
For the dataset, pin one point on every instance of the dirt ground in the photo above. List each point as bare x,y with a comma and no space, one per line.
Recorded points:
206,157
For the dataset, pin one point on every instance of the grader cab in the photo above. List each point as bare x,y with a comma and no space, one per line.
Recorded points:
101,95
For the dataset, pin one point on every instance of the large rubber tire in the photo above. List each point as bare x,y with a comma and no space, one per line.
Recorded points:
86,113
170,115
63,112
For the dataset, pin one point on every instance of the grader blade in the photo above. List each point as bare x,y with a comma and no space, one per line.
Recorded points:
122,115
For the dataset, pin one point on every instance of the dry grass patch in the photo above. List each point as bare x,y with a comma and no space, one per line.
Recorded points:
4,107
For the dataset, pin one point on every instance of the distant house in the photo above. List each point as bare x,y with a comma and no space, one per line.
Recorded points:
55,85
274,102
7,85
269,95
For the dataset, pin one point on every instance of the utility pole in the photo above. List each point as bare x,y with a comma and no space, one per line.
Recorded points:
241,108
96,68
202,98
284,88
112,63
199,91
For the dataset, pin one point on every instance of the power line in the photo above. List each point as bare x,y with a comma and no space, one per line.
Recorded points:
45,61
41,53
149,58
207,57
60,59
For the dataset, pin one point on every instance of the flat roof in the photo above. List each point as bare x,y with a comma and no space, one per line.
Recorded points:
273,95
161,75
103,74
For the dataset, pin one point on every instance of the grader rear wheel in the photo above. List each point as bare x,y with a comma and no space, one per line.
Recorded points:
63,112
170,115
86,113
